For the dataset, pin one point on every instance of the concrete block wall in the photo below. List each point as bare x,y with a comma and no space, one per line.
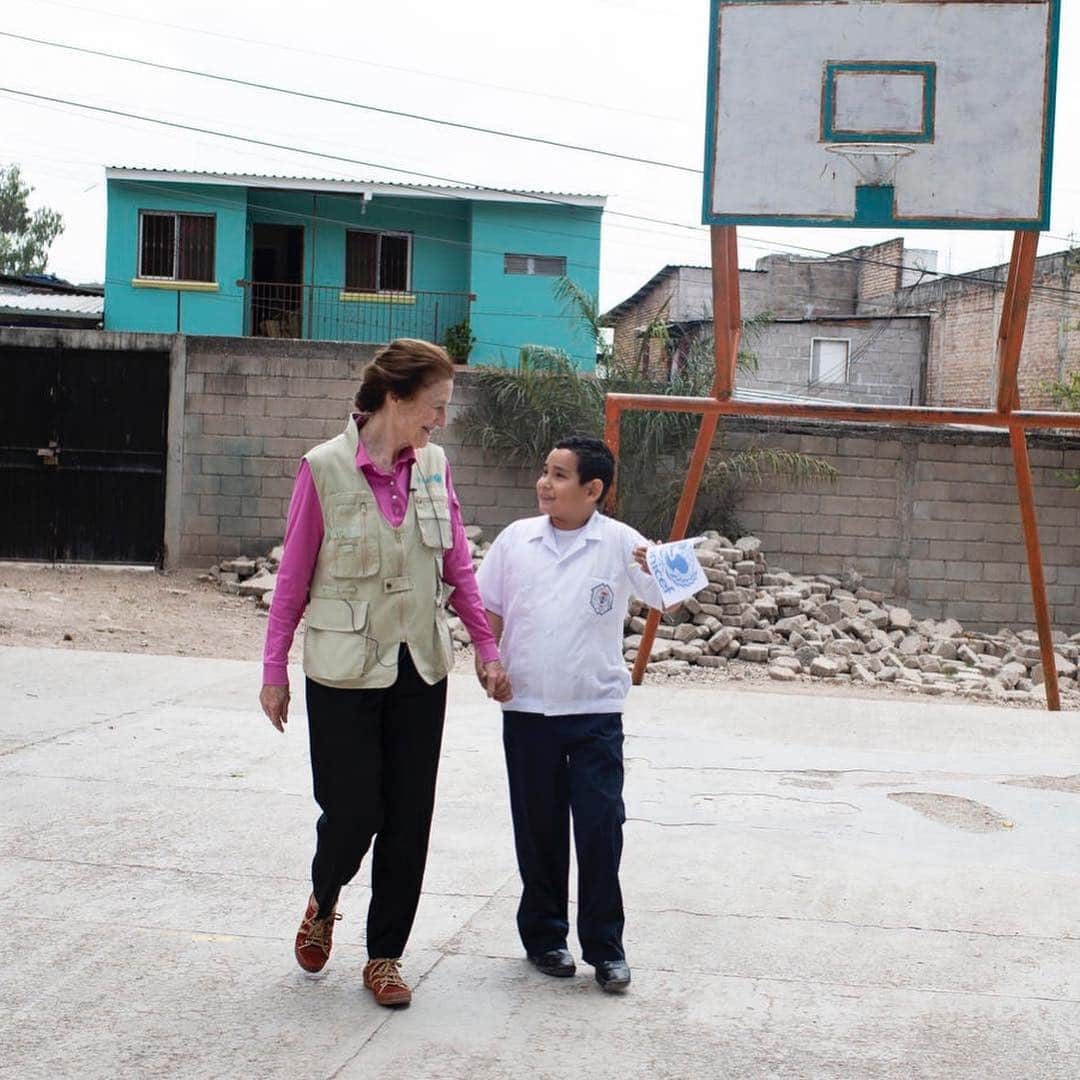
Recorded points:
255,406
800,287
929,516
886,359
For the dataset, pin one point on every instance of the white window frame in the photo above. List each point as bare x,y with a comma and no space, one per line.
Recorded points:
379,234
176,215
530,265
815,377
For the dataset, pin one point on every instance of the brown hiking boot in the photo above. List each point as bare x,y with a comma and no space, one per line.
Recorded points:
315,938
383,978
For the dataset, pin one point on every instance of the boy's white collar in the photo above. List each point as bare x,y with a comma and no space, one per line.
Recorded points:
544,530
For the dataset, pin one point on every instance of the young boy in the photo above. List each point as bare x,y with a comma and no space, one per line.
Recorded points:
556,589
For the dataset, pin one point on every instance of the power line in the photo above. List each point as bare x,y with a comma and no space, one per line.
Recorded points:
464,186
81,9
324,99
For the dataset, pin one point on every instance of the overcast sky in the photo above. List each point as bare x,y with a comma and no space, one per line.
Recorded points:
623,75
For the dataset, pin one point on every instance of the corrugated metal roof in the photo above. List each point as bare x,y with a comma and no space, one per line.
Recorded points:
332,183
51,302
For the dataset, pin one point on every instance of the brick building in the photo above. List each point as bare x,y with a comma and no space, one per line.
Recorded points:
965,312
821,336
874,324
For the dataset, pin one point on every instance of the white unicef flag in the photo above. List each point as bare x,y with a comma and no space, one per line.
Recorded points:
676,570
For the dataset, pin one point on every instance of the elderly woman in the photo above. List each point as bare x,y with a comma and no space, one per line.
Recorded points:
374,545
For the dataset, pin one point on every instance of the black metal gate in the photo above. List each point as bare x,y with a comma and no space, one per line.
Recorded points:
82,454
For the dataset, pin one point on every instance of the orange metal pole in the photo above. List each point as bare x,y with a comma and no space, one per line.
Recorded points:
876,414
612,416
1010,340
727,320
678,530
1034,553
1010,343
727,330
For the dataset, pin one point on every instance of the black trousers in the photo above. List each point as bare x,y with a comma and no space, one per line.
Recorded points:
560,766
374,761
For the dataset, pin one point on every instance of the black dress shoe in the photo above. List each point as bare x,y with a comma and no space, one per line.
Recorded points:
613,975
557,962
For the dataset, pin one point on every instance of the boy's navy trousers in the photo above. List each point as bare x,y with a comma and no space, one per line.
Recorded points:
563,766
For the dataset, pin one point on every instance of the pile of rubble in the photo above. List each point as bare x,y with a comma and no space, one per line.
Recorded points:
794,626
824,628
247,576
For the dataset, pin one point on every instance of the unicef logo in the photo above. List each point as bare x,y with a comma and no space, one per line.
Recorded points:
681,569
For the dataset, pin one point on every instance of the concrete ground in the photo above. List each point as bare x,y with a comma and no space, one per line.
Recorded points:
816,887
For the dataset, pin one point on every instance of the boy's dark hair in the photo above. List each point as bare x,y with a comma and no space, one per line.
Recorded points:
594,461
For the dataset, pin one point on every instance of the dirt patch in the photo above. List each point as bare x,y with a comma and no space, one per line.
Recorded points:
952,810
1070,784
130,611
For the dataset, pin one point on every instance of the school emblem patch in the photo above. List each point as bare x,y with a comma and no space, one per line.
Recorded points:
602,599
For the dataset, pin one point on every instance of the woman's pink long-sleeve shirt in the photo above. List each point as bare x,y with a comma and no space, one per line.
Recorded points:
304,536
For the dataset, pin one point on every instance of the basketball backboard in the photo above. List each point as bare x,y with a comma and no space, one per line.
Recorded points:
881,113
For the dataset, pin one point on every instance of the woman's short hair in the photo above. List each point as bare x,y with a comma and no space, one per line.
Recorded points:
403,369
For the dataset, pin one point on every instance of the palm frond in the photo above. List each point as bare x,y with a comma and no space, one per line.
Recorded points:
521,413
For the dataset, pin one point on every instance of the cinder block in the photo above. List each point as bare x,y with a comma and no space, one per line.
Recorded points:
240,485
266,426
202,485
518,499
222,425
262,466
278,487
221,465
260,506
963,571
216,383
244,405
219,505
204,403
471,495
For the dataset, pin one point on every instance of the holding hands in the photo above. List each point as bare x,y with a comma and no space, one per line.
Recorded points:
494,679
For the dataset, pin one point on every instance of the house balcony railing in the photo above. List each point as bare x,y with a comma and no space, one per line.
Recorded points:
333,313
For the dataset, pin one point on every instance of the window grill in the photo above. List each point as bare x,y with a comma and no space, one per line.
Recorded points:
535,265
176,247
377,262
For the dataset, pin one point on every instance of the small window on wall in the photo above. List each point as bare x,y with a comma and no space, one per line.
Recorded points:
377,262
829,361
176,247
538,265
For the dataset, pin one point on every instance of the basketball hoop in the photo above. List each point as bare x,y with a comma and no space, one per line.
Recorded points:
876,163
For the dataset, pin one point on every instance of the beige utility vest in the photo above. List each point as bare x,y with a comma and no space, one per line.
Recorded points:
376,586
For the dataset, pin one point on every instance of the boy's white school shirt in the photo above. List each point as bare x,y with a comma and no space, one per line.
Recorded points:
562,641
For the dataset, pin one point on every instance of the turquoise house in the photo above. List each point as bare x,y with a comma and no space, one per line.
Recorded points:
344,260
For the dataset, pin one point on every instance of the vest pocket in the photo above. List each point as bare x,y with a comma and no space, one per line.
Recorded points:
336,642
433,517
353,538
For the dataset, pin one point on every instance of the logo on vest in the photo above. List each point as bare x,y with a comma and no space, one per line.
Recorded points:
434,478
